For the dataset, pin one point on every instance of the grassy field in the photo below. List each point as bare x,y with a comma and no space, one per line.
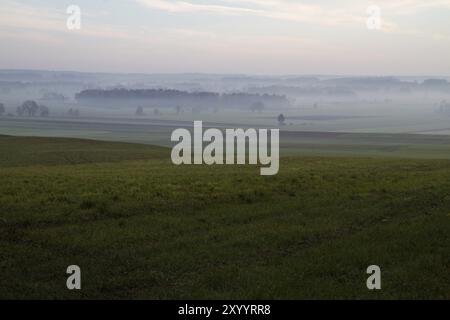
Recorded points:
312,143
140,227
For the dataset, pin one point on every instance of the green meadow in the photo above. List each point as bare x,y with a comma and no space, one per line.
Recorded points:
141,228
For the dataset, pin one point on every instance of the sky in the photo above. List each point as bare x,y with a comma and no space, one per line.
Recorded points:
345,37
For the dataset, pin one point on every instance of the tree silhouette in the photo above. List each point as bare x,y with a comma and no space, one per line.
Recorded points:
281,120
140,111
171,97
29,108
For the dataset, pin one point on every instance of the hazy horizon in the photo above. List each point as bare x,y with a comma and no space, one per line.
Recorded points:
356,75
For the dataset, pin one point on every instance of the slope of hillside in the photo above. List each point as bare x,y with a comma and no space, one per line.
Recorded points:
140,227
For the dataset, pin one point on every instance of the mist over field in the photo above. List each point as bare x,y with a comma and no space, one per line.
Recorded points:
99,194
112,103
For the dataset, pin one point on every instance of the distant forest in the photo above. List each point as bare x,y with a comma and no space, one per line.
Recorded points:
172,98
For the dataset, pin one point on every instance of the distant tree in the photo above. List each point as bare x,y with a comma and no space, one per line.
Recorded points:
435,83
73,112
20,111
140,111
281,120
2,109
156,112
178,109
170,98
29,108
257,107
43,111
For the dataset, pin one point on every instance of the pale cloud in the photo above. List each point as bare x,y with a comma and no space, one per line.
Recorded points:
45,24
409,7
192,33
294,35
296,10
17,15
283,10
184,6
317,13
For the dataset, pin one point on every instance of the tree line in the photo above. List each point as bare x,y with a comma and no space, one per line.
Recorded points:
29,108
171,98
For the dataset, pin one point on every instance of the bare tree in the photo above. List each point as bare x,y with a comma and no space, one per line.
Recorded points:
2,109
29,108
